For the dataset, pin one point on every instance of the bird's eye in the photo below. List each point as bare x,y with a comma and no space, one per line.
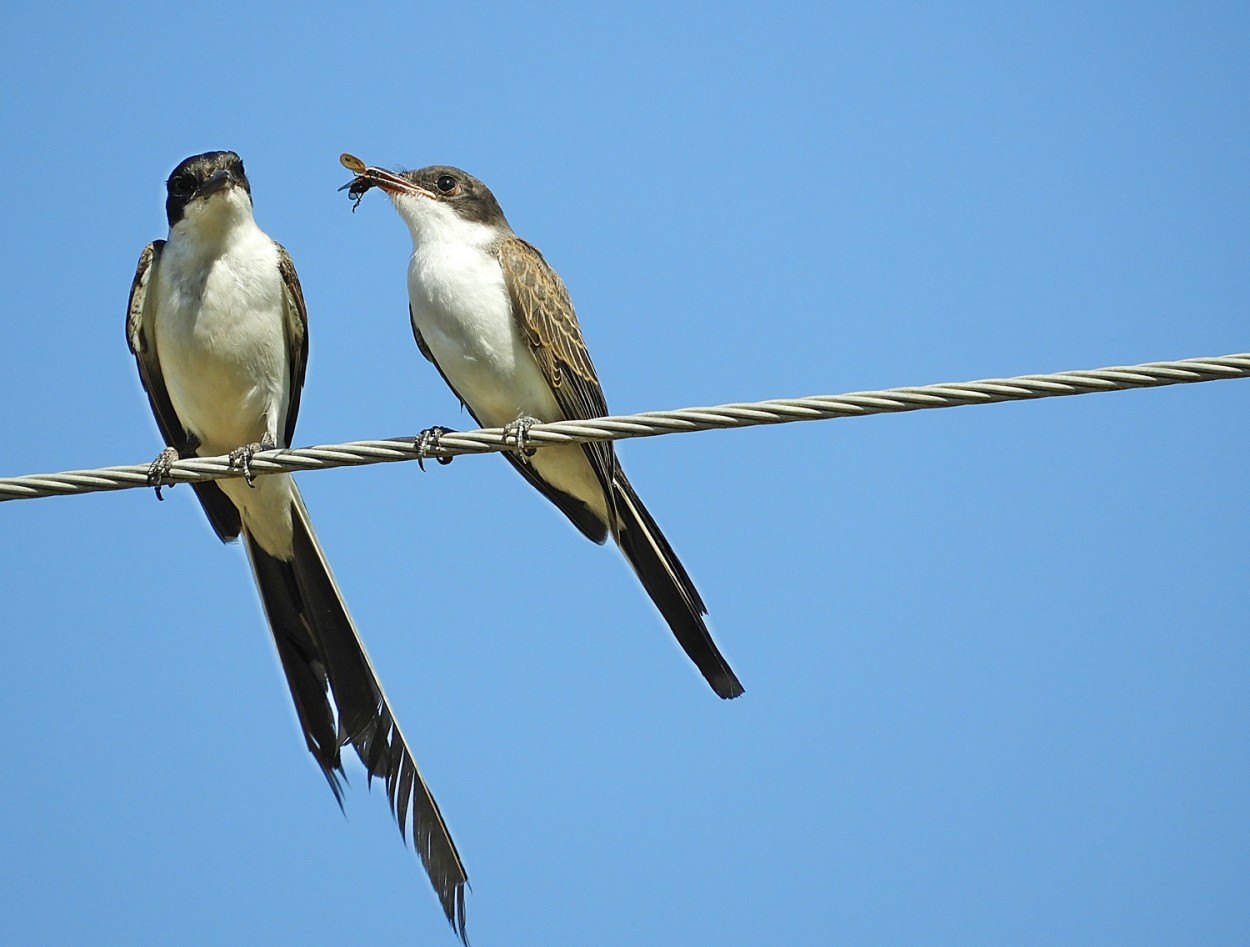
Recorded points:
181,186
447,184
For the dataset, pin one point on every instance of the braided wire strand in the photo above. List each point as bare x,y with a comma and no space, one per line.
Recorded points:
650,424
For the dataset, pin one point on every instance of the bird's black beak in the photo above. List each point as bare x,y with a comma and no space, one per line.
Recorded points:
217,182
368,177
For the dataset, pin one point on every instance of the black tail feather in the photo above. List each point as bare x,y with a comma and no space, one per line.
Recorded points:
299,656
670,587
328,670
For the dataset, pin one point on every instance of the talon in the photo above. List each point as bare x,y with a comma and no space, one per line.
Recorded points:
519,431
241,458
426,445
158,470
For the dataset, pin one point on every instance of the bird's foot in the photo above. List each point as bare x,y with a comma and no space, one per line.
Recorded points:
519,432
241,458
426,445
158,470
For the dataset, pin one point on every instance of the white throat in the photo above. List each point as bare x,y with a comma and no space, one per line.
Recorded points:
434,222
209,226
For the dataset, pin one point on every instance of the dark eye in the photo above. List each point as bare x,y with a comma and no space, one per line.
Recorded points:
181,186
446,183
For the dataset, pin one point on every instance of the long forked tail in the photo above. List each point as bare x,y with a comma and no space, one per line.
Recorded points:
340,700
669,586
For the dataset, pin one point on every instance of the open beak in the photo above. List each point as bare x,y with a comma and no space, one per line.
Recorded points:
368,177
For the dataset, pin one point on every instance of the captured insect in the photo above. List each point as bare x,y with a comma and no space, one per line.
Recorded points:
357,187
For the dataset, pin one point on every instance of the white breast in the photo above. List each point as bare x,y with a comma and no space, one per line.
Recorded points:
460,306
221,339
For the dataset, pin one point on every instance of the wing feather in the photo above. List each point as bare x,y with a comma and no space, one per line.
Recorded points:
545,315
297,338
141,337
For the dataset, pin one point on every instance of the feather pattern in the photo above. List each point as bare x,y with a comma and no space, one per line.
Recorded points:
546,319
222,514
545,316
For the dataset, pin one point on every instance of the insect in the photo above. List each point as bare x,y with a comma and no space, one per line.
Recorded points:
357,187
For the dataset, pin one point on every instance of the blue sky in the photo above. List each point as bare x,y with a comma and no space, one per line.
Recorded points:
995,658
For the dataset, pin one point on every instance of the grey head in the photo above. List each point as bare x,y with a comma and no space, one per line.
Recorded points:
468,197
201,175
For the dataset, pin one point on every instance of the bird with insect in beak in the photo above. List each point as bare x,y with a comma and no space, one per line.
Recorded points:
219,331
497,322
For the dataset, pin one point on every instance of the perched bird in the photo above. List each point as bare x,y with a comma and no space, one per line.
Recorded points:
218,327
496,321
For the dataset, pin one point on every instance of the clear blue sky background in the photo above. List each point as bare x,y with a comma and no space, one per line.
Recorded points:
996,659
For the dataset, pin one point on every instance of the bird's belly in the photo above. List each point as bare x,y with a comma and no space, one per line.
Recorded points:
465,319
225,368
494,374
471,333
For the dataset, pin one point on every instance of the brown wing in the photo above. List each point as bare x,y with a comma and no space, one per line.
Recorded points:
544,312
545,316
296,337
141,337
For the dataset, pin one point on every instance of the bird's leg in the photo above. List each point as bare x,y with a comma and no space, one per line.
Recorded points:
241,457
519,431
426,445
159,469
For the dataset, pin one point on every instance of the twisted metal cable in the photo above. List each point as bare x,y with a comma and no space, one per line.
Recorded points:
650,424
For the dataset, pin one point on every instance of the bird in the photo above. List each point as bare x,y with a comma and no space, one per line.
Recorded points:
219,331
497,323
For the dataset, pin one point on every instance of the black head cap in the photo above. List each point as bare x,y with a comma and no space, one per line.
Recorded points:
198,176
